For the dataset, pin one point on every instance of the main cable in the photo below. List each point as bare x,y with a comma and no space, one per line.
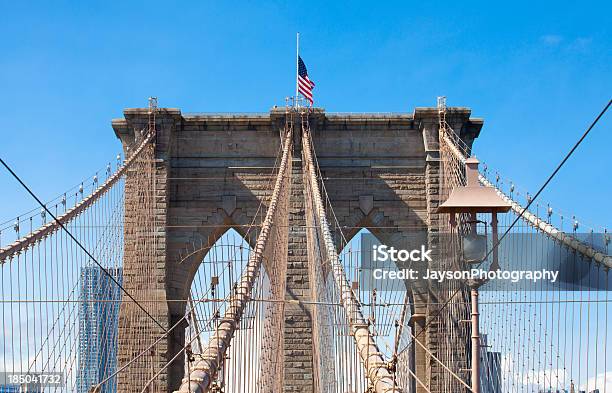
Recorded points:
79,243
567,156
552,175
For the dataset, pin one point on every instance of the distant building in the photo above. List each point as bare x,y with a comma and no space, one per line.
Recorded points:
20,389
490,370
98,325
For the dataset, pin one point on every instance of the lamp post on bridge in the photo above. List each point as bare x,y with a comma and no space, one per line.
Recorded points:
473,198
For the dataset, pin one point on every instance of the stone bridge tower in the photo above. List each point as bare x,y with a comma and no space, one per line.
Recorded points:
381,173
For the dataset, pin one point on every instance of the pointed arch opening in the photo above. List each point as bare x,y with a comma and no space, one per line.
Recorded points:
217,283
386,302
212,285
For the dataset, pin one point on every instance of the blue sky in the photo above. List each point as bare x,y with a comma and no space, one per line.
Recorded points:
536,72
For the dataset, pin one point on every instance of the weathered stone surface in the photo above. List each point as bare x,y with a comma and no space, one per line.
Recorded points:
366,203
229,204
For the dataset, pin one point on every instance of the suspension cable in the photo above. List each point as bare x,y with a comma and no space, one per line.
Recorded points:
567,156
61,225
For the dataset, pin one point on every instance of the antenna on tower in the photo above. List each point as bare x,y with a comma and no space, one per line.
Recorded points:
442,111
441,104
152,112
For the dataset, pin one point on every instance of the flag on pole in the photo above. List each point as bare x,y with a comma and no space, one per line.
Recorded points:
305,85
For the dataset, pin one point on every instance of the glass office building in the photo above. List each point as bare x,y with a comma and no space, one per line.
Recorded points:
98,325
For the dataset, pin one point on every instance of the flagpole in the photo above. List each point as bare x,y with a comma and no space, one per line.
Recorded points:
297,66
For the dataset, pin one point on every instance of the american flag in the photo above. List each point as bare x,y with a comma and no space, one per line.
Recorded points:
305,85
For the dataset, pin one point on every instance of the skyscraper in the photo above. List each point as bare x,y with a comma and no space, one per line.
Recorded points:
490,370
98,324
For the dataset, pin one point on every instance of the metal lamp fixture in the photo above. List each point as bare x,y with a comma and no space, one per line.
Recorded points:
473,198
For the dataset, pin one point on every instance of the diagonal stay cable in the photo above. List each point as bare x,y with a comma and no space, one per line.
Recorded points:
79,243
552,175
